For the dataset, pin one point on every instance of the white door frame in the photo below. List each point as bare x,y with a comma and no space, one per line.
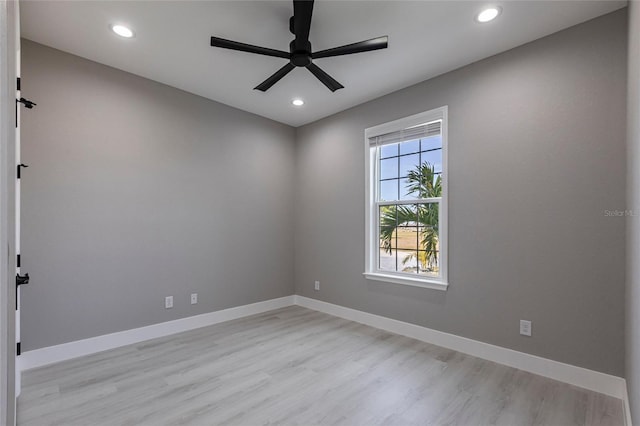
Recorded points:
9,40
18,378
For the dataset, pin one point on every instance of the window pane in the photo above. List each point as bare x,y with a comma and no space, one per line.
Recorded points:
388,224
389,168
434,158
432,142
407,215
428,217
408,261
409,163
389,150
408,190
407,237
436,185
429,244
387,260
432,270
388,244
389,190
409,147
387,253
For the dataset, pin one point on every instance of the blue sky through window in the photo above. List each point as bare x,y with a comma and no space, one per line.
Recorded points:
396,160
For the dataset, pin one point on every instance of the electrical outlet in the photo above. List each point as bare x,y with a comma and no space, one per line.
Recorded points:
168,302
525,328
316,286
194,298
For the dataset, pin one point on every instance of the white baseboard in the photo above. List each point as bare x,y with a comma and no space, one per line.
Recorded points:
577,376
65,351
627,407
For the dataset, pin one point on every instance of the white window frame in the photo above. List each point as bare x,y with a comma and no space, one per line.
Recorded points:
371,219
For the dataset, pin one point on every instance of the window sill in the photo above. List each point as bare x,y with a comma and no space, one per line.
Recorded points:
415,282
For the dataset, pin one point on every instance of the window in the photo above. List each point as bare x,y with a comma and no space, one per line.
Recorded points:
406,166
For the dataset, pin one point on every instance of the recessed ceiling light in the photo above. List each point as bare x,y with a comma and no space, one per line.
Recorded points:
122,31
488,14
297,102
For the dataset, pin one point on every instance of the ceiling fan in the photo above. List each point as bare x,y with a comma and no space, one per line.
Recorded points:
300,54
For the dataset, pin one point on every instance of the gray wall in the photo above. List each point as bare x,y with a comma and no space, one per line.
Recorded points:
632,354
136,191
536,155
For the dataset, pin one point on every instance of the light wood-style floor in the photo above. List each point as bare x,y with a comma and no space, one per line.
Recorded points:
295,366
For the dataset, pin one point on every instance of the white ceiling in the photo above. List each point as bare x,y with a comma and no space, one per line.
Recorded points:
426,38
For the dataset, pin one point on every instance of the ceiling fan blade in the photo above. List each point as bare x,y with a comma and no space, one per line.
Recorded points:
325,78
235,45
266,85
302,11
362,46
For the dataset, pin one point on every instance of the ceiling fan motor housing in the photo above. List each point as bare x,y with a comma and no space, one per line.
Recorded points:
300,57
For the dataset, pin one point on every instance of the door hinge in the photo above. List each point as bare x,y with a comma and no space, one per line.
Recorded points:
26,102
17,261
20,166
22,279
18,350
18,84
